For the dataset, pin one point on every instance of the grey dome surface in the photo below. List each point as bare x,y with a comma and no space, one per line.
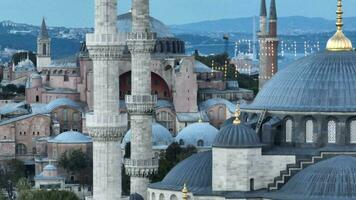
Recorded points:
124,23
71,137
63,102
237,136
332,179
323,82
161,137
196,171
136,196
191,134
49,167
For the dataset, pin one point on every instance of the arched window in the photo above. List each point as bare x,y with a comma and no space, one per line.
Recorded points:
37,98
161,197
353,131
289,130
309,131
173,197
332,131
200,143
44,49
21,149
252,184
153,197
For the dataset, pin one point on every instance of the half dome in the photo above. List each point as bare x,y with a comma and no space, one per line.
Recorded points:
332,179
195,171
323,82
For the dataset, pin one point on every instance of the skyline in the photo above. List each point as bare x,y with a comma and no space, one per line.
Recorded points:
80,13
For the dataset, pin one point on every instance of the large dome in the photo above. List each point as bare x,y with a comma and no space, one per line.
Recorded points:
331,179
323,82
124,22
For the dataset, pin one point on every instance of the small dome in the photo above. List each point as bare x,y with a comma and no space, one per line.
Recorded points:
195,171
334,179
49,167
161,137
136,196
237,136
197,134
71,137
35,75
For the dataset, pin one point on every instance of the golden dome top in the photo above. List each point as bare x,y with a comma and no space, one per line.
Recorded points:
185,192
339,42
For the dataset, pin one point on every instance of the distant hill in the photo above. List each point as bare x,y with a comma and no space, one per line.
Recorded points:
287,25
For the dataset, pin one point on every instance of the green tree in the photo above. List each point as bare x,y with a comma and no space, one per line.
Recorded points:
48,195
78,163
10,88
173,155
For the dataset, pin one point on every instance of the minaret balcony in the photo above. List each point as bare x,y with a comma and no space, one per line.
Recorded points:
141,168
142,36
140,104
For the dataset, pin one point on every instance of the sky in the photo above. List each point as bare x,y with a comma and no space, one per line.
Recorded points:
80,13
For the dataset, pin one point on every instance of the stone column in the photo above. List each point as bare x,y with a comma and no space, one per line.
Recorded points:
141,103
106,125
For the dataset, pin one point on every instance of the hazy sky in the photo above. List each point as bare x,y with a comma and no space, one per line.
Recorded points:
79,13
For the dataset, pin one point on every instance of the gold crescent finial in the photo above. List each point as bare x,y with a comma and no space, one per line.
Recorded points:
237,120
339,42
185,192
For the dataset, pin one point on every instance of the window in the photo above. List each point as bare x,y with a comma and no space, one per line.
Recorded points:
153,196
37,98
353,131
161,197
44,49
21,149
173,197
66,78
289,129
252,184
309,131
332,131
200,143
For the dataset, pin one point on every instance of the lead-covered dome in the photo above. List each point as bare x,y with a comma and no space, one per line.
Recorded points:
237,136
199,134
332,179
71,137
124,22
323,82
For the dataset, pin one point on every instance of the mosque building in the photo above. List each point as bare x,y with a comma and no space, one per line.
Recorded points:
296,140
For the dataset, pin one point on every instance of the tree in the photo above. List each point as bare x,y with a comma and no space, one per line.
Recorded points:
173,155
23,186
78,163
48,195
10,88
10,173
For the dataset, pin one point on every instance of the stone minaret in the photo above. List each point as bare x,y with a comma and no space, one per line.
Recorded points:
43,47
106,125
140,103
268,44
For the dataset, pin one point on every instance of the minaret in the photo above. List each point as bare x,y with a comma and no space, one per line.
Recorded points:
140,103
263,17
106,125
43,47
268,46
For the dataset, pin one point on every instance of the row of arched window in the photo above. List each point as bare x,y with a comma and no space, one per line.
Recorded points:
162,197
310,135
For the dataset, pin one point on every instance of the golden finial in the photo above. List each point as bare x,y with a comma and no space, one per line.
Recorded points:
339,42
237,120
185,192
200,119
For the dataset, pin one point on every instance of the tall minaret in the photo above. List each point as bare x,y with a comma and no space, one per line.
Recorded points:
268,46
43,47
140,103
262,35
106,125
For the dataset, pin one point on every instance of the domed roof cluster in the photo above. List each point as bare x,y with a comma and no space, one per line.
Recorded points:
323,82
237,136
334,179
161,137
195,171
196,133
71,137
